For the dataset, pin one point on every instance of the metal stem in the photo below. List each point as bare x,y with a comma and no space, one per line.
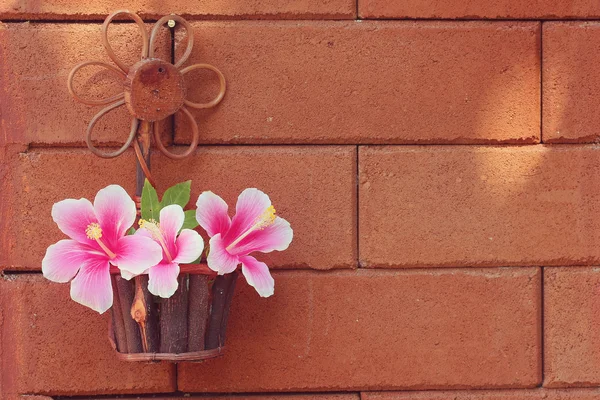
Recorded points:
141,309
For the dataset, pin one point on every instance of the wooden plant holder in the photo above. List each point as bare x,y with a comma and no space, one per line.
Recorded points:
191,325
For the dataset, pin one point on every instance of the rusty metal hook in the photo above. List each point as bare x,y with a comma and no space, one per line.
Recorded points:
222,86
148,100
188,30
193,145
107,45
80,99
88,136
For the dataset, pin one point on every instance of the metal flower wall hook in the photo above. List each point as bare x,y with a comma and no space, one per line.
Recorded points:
153,89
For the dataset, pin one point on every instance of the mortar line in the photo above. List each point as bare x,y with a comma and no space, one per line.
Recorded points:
56,146
543,269
542,327
347,269
358,392
306,18
542,82
357,205
224,395
172,117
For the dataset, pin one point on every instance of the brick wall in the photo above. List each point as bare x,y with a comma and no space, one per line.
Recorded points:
436,158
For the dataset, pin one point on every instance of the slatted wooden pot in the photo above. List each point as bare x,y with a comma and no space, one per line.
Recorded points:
189,326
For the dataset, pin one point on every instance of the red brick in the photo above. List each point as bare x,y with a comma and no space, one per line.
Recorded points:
531,394
31,397
380,330
479,206
279,396
291,9
52,345
35,61
368,82
571,84
571,318
39,178
499,9
313,187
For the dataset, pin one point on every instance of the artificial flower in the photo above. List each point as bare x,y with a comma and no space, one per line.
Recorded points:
98,239
182,249
255,227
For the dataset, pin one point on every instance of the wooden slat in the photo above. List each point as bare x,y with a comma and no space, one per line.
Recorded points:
132,332
118,324
220,292
174,320
230,293
198,311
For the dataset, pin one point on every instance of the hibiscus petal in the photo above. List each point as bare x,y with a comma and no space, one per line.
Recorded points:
189,246
137,253
115,211
276,236
219,259
162,279
73,217
251,204
92,287
63,260
144,232
126,275
212,214
258,276
171,221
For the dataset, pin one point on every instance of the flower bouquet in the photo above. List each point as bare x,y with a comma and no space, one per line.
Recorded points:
144,264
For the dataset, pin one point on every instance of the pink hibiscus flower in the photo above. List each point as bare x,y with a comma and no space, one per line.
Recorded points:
98,239
184,249
253,228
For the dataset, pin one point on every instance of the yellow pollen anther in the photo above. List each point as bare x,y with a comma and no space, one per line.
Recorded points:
153,227
148,224
93,231
265,219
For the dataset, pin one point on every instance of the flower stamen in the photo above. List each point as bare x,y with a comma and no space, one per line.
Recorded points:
264,220
154,228
94,232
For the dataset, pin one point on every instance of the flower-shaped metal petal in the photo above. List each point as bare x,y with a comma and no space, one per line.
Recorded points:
153,89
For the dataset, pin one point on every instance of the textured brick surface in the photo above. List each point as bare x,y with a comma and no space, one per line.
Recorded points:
29,397
368,82
571,320
531,394
378,330
282,396
313,187
503,9
51,345
571,82
66,10
467,206
35,181
35,61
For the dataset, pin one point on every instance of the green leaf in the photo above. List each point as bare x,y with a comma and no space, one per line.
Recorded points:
190,220
150,204
197,261
178,194
131,231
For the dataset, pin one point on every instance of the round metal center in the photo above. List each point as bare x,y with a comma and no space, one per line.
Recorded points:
154,89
